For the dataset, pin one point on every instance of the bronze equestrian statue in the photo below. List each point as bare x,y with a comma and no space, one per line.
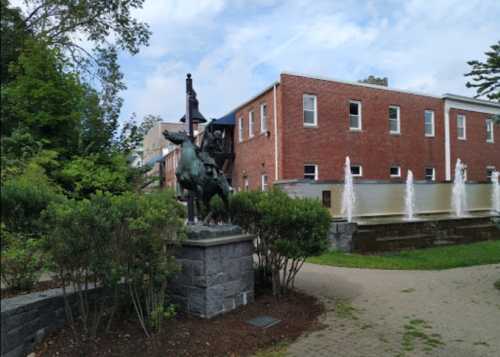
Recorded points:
197,170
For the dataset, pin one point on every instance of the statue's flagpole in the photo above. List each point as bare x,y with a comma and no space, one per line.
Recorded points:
189,120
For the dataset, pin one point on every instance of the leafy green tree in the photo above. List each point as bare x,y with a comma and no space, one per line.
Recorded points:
13,32
43,99
85,175
486,75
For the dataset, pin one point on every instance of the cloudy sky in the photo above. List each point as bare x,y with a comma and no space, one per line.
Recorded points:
235,48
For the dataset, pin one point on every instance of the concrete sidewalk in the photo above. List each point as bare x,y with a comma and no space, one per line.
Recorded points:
403,313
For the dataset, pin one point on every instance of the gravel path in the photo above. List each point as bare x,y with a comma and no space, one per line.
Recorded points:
451,313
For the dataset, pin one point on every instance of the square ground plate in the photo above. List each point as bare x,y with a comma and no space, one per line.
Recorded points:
263,321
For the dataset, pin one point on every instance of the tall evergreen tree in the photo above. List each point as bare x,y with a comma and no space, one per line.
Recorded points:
486,75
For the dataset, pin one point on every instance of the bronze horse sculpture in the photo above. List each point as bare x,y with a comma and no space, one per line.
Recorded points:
197,172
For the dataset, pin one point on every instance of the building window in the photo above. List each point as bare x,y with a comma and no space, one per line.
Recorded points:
263,118
240,129
311,172
489,131
429,123
263,183
310,110
461,127
356,170
395,171
326,199
430,174
394,120
354,115
489,172
251,124
246,183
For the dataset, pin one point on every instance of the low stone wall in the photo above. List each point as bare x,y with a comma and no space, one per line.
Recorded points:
27,319
217,272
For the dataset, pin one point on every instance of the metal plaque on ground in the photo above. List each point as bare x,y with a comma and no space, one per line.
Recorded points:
263,321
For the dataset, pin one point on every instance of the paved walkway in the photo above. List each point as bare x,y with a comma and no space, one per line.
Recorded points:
453,313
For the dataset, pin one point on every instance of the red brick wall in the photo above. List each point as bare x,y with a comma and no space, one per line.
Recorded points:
374,148
474,151
254,156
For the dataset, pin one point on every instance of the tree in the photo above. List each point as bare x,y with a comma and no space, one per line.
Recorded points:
65,23
44,99
132,133
486,75
12,35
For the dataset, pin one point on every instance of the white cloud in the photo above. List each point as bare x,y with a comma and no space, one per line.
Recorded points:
235,49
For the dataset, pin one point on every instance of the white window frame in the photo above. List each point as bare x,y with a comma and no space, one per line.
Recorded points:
490,126
246,184
251,123
433,122
359,116
399,171
263,118
398,119
360,171
264,182
461,116
315,110
240,129
316,171
433,173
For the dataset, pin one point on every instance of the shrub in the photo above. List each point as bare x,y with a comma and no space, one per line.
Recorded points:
148,228
113,241
288,231
24,197
21,260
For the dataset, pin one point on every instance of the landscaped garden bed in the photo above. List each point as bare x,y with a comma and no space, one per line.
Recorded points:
225,335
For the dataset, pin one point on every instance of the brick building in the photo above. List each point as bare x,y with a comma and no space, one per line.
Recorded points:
303,127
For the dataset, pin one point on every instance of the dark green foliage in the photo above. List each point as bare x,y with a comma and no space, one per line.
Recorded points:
21,260
288,231
486,75
111,240
23,199
43,99
13,32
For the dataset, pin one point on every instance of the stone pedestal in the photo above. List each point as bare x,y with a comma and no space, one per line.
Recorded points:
217,270
341,235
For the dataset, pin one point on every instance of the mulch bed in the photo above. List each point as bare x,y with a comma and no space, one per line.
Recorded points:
40,286
226,335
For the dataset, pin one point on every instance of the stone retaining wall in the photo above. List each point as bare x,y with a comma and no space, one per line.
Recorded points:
27,319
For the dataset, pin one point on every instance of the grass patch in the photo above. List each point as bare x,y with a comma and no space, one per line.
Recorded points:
409,290
419,259
414,331
278,350
345,310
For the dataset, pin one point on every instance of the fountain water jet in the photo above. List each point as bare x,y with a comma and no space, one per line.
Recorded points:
409,196
348,197
458,199
495,191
